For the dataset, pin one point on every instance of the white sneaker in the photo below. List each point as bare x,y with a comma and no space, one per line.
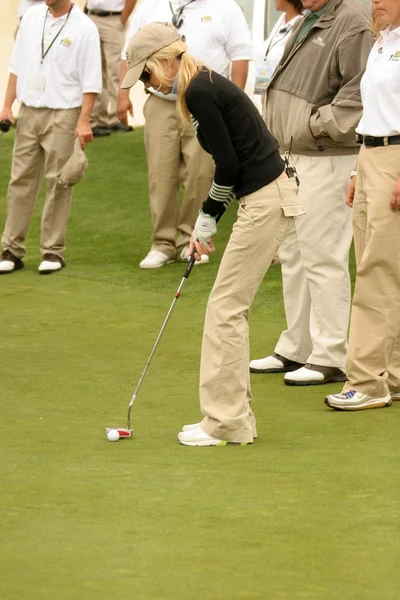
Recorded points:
274,363
314,375
186,256
353,400
50,264
197,437
191,426
154,260
9,263
395,394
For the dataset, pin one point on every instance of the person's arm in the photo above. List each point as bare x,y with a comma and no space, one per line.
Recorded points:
238,44
127,10
203,104
124,104
11,94
339,119
239,72
89,69
83,130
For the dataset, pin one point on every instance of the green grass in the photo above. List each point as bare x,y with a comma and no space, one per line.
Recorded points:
310,511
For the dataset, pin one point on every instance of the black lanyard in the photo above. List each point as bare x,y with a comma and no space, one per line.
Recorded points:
44,54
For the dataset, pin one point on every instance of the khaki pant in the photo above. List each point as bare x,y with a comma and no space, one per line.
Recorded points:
174,156
112,40
373,363
315,270
43,143
264,218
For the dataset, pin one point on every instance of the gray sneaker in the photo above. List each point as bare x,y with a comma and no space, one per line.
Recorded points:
353,400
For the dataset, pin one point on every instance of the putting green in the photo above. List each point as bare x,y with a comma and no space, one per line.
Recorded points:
310,511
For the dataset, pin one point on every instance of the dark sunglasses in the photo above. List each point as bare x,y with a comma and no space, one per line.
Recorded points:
177,20
145,76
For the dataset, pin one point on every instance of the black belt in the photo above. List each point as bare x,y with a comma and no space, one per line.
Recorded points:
372,142
102,13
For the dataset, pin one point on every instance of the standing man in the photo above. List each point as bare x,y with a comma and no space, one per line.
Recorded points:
55,72
217,34
110,18
312,107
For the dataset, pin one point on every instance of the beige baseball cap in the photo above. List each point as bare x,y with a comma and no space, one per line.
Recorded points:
75,167
146,42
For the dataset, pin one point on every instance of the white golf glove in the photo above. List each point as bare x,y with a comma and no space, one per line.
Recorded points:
205,227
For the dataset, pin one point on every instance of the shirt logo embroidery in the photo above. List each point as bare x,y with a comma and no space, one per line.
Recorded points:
206,19
395,57
319,41
66,42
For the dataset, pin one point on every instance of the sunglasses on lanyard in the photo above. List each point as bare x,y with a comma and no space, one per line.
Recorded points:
177,17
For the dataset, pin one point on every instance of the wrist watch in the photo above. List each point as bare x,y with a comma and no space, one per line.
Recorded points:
353,174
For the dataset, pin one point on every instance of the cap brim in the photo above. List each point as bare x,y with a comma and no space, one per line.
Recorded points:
133,75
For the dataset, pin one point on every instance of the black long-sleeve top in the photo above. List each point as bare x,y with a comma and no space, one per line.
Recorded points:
230,128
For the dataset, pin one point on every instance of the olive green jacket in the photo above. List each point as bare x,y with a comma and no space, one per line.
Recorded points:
314,96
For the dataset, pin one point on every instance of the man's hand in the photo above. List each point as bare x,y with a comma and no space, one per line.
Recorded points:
350,192
84,132
200,247
6,114
124,106
395,198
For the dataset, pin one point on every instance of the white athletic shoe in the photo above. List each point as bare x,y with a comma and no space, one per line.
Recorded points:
191,426
314,375
9,263
274,363
353,400
185,256
50,264
154,260
197,437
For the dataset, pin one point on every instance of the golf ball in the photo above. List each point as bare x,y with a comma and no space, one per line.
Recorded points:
113,435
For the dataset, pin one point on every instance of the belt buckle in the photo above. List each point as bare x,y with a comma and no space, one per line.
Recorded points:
386,141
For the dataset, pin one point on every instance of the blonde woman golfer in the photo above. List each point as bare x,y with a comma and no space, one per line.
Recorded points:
248,167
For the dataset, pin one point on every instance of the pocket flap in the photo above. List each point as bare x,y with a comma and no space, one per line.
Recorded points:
292,210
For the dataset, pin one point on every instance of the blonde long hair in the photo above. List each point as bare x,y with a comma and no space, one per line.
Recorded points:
189,68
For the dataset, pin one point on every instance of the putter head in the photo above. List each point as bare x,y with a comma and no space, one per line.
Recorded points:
123,431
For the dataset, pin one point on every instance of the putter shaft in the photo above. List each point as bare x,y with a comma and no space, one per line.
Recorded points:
177,296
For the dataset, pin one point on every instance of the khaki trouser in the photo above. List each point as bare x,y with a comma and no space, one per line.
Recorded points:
373,363
264,218
112,40
43,143
174,155
315,270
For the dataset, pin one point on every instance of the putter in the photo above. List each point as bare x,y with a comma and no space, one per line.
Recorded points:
127,432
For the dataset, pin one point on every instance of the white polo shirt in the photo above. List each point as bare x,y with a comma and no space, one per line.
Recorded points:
380,88
25,5
106,5
216,30
72,66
